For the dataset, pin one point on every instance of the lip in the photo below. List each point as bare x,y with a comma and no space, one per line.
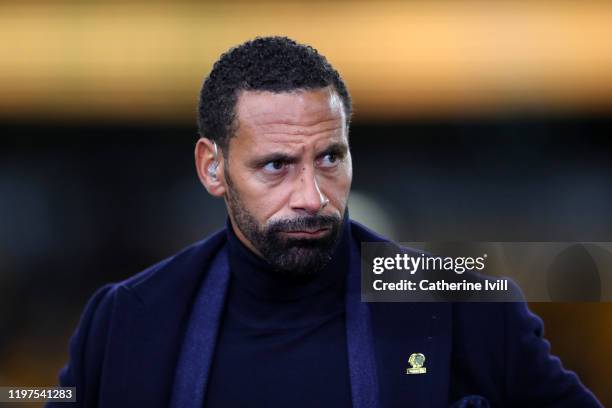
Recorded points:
307,234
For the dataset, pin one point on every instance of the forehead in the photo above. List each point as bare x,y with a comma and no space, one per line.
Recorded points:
299,111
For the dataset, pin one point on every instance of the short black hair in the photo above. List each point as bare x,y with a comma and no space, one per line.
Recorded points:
275,64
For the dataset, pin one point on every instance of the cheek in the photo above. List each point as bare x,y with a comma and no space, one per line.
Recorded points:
337,189
265,202
261,200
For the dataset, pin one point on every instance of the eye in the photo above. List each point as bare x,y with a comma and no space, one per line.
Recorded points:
329,160
274,167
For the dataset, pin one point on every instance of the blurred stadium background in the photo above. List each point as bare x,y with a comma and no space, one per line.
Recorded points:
474,120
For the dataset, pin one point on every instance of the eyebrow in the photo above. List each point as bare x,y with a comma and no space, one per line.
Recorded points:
258,162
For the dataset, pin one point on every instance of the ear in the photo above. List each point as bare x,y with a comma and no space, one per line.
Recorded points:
204,159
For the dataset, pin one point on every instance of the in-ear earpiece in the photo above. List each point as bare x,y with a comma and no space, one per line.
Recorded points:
212,167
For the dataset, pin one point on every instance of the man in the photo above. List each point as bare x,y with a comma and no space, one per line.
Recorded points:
267,312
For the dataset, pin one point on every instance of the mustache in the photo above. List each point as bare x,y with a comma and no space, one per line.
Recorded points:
314,222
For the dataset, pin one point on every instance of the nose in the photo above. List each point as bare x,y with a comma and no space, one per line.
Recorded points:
307,196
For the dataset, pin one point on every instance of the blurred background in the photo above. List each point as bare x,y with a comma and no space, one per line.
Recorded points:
475,121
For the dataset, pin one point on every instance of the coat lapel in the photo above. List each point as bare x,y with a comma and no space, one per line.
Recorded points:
360,345
401,329
197,353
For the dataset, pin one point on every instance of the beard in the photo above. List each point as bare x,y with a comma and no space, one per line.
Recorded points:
288,256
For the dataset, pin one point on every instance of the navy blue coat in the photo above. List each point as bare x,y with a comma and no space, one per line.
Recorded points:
131,350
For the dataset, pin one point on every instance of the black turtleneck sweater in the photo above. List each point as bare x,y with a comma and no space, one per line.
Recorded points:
282,343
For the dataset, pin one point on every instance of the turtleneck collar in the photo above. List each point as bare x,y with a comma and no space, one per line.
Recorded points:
253,274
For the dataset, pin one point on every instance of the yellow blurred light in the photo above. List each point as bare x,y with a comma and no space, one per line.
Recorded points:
146,61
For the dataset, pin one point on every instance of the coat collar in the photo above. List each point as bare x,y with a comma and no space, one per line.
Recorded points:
171,312
197,351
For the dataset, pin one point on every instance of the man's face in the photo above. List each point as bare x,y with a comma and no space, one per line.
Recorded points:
288,176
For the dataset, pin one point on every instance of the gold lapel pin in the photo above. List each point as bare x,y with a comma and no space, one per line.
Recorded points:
416,360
